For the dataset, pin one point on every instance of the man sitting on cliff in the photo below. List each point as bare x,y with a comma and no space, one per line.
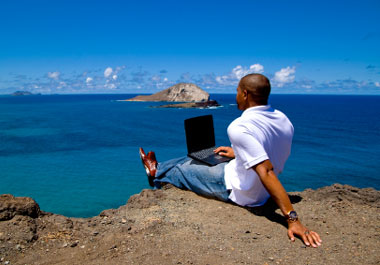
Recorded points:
261,140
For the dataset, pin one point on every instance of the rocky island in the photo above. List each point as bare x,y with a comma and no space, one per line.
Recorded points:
190,96
23,93
172,226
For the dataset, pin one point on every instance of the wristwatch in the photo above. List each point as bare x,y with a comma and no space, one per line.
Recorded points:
292,216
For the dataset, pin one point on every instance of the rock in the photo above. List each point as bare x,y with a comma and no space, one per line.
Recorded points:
11,206
74,244
19,230
182,92
201,231
22,93
145,199
204,104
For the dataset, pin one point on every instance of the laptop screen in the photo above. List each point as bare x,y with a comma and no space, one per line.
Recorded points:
199,133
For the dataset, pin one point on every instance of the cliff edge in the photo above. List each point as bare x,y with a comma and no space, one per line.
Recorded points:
172,226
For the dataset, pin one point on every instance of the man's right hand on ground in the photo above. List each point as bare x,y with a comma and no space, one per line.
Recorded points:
225,151
310,238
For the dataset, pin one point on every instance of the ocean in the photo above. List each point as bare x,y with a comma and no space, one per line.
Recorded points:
77,155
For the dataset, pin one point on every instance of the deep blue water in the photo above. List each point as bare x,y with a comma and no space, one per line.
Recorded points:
78,154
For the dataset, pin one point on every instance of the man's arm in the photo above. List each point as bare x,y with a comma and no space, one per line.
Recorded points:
225,151
279,195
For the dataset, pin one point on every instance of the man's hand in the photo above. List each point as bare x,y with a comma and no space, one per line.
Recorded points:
279,195
225,151
307,236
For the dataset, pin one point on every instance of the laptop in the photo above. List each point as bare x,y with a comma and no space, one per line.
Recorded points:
200,140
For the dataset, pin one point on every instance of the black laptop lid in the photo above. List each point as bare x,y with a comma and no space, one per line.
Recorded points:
199,133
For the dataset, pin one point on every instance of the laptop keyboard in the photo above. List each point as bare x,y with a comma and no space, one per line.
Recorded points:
202,154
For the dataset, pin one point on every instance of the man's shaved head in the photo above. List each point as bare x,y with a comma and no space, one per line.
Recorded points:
258,86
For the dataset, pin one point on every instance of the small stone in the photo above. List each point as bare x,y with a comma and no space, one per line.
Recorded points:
247,232
255,237
258,234
113,246
7,262
271,258
74,244
95,233
268,236
82,246
123,220
327,233
64,245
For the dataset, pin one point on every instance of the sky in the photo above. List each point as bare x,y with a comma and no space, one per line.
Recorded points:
303,47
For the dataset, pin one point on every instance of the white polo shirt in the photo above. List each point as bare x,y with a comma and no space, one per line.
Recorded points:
260,133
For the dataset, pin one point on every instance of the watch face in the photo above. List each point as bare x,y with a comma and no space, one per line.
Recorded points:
293,215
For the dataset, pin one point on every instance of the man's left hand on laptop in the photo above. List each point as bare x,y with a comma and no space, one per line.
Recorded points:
225,151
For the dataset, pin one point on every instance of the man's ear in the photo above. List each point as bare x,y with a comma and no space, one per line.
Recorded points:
245,93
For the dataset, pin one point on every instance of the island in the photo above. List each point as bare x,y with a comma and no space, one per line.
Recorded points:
190,96
24,93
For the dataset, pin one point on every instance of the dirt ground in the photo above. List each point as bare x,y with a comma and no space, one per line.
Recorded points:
173,226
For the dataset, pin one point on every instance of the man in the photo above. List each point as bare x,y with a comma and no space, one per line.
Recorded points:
260,145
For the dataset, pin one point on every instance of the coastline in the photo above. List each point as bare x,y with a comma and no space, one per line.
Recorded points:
172,226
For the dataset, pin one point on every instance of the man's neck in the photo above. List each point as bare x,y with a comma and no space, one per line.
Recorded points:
251,104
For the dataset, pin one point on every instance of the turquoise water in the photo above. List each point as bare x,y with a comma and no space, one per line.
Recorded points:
77,155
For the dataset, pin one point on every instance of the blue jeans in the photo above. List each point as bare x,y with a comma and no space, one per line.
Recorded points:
186,173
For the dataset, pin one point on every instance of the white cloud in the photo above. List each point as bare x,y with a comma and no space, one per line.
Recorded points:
377,84
61,85
256,68
107,72
89,80
114,77
158,82
156,78
240,71
110,86
119,69
237,73
285,75
54,75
